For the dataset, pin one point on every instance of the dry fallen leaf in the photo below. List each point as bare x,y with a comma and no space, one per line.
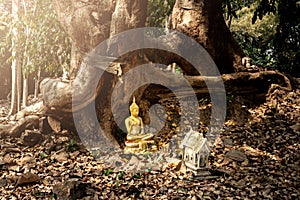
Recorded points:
28,178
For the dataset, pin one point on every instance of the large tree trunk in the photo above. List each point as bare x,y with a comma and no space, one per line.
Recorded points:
204,22
88,24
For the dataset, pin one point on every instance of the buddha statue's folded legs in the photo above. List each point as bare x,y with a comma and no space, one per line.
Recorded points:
140,146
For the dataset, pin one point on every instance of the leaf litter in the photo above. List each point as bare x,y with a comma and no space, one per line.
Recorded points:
256,159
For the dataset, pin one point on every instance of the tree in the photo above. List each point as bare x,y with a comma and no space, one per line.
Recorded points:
287,37
89,23
204,21
278,46
255,39
43,45
159,13
16,61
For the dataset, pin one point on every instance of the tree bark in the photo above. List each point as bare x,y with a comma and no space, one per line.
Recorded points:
16,62
204,22
88,24
37,80
76,59
240,83
28,118
25,91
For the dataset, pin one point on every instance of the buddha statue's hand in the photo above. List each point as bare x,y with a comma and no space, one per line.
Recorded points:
147,136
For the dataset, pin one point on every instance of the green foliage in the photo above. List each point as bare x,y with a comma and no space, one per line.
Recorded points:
108,171
117,183
43,154
158,11
273,38
286,41
147,155
264,7
136,176
39,193
53,196
44,44
72,145
230,98
230,7
255,39
120,175
204,101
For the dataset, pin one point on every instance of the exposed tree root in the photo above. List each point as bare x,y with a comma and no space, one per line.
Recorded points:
57,97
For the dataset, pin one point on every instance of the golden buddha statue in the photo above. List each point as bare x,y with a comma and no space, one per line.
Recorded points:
137,140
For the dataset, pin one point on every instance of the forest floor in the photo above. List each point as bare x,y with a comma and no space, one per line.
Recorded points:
257,159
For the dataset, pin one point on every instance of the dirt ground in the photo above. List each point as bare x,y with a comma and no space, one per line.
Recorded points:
257,159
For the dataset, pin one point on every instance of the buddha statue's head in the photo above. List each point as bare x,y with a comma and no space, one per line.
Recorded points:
134,108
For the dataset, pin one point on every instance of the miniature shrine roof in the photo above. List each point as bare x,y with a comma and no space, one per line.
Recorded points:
195,141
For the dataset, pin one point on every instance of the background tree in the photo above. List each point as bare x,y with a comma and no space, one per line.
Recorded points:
287,37
16,60
255,39
44,46
274,40
159,13
266,30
